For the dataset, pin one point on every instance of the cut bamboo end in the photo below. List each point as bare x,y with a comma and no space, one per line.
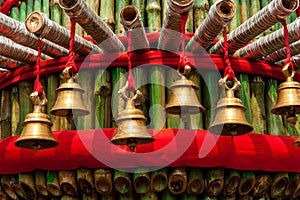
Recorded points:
122,182
6,187
279,184
129,14
262,185
225,9
231,185
177,182
35,23
68,183
41,183
289,4
53,184
103,181
246,186
159,180
141,183
195,186
215,187
27,184
85,181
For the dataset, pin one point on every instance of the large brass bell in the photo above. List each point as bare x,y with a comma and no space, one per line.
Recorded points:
183,99
36,133
131,130
230,113
69,100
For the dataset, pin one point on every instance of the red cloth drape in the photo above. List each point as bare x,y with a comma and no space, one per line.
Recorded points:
178,147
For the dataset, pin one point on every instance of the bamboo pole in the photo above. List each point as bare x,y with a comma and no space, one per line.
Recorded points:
6,112
92,196
167,195
149,196
141,6
186,196
247,183
177,181
7,187
27,183
37,5
25,89
107,13
236,20
127,196
29,7
46,7
22,11
232,181
195,183
189,23
120,4
122,182
262,185
173,121
293,190
15,13
200,11
141,182
207,197
41,182
159,180
279,184
103,181
153,9
111,196
16,187
67,181
85,181
53,186
214,181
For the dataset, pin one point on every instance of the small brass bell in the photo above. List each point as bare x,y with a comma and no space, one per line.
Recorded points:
36,133
69,100
131,130
230,113
183,98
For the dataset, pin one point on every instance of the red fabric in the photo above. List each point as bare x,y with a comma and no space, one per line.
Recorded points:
37,84
228,69
246,152
6,6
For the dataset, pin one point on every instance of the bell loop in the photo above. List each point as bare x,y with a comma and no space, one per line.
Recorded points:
229,91
136,99
38,101
288,72
67,76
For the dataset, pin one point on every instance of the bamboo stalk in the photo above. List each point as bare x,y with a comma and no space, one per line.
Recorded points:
67,181
207,197
92,196
37,5
153,10
167,195
177,181
214,181
66,197
293,190
200,11
15,114
27,183
107,13
53,186
29,7
127,196
122,182
6,112
16,187
159,180
25,89
247,183
111,196
3,196
41,182
22,11
189,23
120,4
141,182
195,184
102,91
15,13
279,184
149,196
46,7
274,122
173,121
85,181
232,181
103,181
244,95
141,6
262,185
7,187
186,196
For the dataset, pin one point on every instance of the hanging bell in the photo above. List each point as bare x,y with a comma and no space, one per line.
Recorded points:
183,99
230,113
131,130
36,133
69,100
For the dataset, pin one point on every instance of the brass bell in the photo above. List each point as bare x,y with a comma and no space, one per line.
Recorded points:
36,133
183,98
69,100
230,119
131,130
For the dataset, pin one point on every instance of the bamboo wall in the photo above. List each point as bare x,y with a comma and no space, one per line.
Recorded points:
258,95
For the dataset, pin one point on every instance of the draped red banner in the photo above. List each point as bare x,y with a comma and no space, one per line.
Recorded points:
174,147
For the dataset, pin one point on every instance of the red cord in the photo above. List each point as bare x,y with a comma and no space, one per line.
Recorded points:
287,45
37,84
228,69
71,61
183,61
131,84
298,11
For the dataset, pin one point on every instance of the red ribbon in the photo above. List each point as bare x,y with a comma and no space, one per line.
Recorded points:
131,85
228,69
287,45
37,84
183,60
71,61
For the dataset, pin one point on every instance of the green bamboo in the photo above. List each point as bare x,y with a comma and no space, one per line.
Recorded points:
244,95
173,121
141,6
255,7
122,182
66,197
264,3
37,5
189,27
85,181
119,4
55,12
149,196
246,197
186,196
107,14
177,180
245,11
167,195
141,182
53,186
103,181
15,13
15,114
25,89
27,183
279,184
274,122
200,7
86,81
195,184
127,196
102,91
159,180
232,181
6,110
153,10
22,11
46,7
164,7
214,181
236,20
257,105
41,182
94,5
67,181
247,183
262,185
29,7
65,21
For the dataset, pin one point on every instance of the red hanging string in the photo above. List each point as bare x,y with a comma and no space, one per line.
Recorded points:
298,11
183,61
37,84
287,45
131,84
71,61
228,69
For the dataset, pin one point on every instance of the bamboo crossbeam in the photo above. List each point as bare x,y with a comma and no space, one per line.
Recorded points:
255,25
92,24
171,28
40,25
7,63
296,61
281,53
131,21
17,32
268,44
219,15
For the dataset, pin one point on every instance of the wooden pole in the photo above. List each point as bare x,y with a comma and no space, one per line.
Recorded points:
27,183
103,181
53,186
85,181
67,181
159,180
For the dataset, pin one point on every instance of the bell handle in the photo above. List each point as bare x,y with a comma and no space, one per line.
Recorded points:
137,99
186,72
66,75
38,101
288,72
230,90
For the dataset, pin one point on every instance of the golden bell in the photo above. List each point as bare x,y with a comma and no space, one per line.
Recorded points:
36,133
69,100
230,114
131,130
183,98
